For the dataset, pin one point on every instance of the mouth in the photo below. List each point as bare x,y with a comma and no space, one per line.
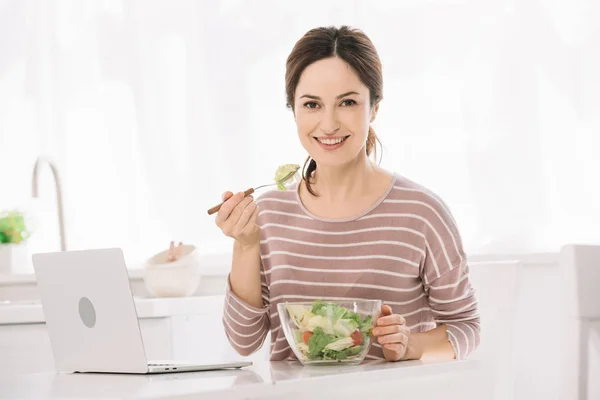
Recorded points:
331,143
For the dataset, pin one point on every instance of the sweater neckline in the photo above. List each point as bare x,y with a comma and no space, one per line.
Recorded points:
351,218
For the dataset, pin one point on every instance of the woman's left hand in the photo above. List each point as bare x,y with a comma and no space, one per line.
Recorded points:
392,333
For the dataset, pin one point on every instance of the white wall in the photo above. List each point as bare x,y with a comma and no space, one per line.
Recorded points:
494,104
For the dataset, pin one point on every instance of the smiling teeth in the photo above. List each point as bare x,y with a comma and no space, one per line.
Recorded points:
330,141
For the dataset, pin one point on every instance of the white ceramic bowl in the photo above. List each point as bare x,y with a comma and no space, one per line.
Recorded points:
178,278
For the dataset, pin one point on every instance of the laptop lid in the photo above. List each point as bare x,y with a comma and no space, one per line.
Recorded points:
89,310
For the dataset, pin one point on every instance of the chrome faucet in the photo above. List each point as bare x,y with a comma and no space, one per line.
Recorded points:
34,193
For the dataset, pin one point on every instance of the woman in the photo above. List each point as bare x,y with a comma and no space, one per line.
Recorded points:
349,229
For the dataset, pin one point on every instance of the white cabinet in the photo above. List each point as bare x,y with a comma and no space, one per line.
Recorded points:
202,338
25,347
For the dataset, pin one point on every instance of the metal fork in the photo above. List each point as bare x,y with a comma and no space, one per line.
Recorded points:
252,190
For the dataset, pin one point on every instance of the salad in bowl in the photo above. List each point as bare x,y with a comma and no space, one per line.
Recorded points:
329,332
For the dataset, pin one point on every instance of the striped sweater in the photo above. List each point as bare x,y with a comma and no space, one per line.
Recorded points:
405,250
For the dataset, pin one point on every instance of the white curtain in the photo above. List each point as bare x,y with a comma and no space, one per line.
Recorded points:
151,109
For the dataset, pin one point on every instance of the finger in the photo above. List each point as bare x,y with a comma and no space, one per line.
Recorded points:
252,222
226,195
236,214
393,319
397,348
246,214
387,330
391,329
228,207
393,338
385,310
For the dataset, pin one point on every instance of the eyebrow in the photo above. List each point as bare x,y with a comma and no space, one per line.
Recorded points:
310,96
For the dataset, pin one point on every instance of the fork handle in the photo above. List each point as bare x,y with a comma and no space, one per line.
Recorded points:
217,208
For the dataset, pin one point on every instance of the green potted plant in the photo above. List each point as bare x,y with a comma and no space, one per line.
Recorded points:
13,237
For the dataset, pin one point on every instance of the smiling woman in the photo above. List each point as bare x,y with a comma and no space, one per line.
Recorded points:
334,94
350,229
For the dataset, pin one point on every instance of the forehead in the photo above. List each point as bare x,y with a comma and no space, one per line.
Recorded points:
328,78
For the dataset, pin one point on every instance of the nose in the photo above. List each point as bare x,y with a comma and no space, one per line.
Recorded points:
330,123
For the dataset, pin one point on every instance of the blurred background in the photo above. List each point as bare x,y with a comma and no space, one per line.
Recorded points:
151,109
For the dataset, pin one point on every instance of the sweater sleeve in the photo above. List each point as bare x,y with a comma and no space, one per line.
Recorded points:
445,274
246,326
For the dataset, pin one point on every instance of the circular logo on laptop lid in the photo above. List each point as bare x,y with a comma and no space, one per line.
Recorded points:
87,312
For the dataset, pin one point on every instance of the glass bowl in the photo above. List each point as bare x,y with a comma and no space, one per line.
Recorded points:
325,332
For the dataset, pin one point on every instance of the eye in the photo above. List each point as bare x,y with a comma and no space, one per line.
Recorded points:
311,104
348,103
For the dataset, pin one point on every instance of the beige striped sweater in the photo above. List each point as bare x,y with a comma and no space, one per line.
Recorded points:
405,250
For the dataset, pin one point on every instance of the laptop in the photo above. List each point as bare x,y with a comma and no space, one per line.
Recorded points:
91,316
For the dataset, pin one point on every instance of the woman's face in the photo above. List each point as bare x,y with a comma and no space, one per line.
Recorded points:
333,112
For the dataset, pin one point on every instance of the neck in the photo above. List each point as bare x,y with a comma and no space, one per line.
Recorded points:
337,183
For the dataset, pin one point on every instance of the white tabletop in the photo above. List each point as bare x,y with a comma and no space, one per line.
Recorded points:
268,380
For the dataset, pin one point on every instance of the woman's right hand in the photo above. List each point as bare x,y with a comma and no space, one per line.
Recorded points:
237,219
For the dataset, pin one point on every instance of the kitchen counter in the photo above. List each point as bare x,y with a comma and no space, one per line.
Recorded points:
213,264
23,287
30,312
265,380
136,273
217,264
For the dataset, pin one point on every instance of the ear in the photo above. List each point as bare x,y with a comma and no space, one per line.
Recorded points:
374,111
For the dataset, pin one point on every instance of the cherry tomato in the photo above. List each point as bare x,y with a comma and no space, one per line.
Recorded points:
357,337
306,335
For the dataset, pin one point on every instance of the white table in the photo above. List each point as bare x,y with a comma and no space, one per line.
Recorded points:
266,380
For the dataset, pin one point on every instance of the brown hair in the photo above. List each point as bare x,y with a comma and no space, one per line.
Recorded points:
352,46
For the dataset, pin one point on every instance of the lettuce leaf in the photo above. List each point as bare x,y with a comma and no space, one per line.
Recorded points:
366,326
332,323
331,311
345,327
329,354
317,343
282,172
